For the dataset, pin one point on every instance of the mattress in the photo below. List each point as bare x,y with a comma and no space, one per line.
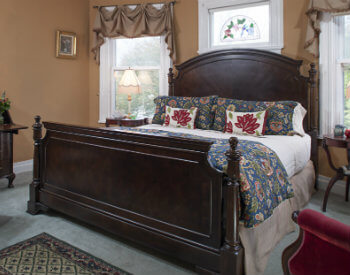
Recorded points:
293,151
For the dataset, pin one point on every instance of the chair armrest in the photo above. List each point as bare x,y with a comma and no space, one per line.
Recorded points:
325,228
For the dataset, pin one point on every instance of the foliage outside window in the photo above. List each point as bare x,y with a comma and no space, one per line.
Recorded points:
149,58
142,55
346,70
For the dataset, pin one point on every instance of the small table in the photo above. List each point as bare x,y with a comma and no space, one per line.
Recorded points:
341,172
126,122
6,150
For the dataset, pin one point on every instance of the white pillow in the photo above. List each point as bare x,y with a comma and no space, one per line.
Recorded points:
245,123
298,117
180,118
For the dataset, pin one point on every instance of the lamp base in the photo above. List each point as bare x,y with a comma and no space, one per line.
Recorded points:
129,107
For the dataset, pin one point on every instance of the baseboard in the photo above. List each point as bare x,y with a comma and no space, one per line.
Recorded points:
338,188
23,166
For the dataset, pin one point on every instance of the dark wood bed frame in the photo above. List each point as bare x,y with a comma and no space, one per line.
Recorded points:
161,191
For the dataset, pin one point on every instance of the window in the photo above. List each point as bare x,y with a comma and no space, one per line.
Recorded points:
237,23
149,57
334,72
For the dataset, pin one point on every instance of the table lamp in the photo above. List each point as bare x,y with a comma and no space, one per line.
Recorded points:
129,84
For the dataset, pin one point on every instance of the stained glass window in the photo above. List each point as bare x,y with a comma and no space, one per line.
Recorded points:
239,28
240,24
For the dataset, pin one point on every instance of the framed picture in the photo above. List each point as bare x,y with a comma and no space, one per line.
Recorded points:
66,44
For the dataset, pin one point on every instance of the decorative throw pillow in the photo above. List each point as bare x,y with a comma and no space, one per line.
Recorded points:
246,123
279,120
298,117
205,107
180,118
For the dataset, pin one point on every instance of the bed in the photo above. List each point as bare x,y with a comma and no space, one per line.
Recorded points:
161,191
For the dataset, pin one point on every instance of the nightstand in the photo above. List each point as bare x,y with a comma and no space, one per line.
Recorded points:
126,122
341,172
6,151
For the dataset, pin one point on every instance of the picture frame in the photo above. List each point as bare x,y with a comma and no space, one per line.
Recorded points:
66,44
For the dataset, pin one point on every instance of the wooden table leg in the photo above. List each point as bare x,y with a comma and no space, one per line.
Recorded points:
11,178
338,176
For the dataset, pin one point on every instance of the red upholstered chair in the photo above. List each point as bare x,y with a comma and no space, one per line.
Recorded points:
322,248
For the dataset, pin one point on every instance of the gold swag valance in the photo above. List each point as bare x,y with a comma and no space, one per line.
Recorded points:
144,20
316,7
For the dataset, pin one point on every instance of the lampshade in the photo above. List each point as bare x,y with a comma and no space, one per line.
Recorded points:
129,84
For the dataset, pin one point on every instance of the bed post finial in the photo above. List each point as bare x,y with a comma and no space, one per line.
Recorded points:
33,207
232,251
313,96
314,117
171,81
37,128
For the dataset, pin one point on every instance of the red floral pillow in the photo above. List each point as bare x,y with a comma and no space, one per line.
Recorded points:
246,123
180,118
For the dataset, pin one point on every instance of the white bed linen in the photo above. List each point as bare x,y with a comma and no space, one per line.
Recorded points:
293,151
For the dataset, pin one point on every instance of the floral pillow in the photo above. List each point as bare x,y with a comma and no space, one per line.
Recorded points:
205,107
180,118
279,120
245,123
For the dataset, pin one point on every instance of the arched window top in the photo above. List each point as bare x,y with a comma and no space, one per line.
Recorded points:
227,24
239,28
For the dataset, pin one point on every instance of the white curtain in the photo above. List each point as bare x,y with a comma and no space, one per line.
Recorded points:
331,82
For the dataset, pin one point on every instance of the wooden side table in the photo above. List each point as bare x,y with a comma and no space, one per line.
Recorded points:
126,122
341,172
6,150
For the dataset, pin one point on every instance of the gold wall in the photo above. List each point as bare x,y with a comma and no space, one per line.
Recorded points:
67,90
35,80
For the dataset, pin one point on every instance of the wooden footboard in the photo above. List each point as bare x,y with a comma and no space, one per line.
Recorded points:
157,191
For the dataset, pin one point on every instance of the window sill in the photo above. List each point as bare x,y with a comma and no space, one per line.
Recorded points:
275,49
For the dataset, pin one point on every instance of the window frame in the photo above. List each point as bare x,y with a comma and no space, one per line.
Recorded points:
108,66
275,43
331,66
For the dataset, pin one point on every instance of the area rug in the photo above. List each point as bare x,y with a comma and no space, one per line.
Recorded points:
44,254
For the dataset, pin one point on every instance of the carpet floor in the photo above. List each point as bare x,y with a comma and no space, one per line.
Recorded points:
16,225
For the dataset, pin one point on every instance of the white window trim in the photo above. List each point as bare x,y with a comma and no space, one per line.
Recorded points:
331,68
276,25
107,83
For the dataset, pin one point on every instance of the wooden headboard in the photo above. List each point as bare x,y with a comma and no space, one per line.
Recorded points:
249,75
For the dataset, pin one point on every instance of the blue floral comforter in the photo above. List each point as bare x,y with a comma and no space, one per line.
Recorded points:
264,180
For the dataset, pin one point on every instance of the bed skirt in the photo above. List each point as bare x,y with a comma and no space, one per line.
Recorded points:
259,242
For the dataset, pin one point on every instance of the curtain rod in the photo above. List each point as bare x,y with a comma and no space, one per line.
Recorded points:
172,2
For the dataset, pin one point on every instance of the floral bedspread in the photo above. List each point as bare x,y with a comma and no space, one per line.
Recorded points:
264,181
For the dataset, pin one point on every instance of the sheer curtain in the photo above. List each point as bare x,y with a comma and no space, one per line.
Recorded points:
331,95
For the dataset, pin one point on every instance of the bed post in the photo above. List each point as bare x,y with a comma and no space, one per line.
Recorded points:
171,81
34,206
232,250
314,117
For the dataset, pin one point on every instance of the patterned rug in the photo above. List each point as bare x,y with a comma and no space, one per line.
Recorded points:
44,254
